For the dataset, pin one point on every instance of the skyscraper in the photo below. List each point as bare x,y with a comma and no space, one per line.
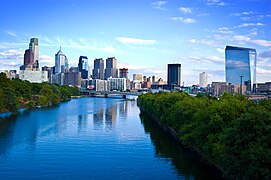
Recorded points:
98,71
61,62
34,47
31,55
83,66
203,79
123,73
111,68
174,74
241,66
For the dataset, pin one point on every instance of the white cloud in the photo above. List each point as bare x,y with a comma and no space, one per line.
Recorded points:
11,33
249,24
11,58
207,42
159,5
185,10
183,20
220,50
215,2
135,41
46,60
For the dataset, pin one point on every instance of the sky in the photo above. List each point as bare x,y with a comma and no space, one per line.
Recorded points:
144,35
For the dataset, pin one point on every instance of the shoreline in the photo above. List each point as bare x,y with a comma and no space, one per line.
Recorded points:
218,171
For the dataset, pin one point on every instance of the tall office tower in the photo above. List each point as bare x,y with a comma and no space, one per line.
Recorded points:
111,68
241,66
34,47
83,66
28,57
174,74
203,79
98,71
61,62
123,73
138,77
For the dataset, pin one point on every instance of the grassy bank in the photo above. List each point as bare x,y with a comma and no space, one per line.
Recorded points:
233,132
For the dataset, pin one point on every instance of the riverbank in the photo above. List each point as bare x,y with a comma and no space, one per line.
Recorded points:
218,172
233,133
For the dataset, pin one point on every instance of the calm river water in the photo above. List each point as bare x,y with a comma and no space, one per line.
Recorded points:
91,138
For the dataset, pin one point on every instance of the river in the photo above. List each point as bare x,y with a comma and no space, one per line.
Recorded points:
92,138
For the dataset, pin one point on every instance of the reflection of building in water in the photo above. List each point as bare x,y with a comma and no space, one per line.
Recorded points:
98,118
111,116
123,109
82,122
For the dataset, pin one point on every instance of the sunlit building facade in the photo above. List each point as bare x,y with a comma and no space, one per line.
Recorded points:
241,66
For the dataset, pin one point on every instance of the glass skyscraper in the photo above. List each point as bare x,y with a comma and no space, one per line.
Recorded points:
241,65
174,74
83,66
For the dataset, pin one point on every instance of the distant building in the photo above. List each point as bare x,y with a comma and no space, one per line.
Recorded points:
120,84
50,72
72,78
241,65
33,76
203,79
12,74
111,68
218,88
123,73
61,62
98,71
31,56
100,85
58,79
138,77
155,78
34,48
136,85
174,74
83,66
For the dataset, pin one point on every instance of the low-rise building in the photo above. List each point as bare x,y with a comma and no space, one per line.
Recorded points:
120,84
34,76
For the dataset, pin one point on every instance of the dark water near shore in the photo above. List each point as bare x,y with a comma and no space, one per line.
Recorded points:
92,138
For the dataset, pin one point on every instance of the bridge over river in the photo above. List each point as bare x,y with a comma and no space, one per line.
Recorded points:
109,93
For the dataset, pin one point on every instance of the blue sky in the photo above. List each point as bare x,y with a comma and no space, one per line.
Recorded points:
144,35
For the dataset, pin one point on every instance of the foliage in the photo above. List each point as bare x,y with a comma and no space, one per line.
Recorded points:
17,93
233,132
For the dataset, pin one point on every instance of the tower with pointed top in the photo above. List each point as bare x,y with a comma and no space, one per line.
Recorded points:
61,62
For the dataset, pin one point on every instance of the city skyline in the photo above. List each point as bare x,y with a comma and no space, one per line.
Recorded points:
144,36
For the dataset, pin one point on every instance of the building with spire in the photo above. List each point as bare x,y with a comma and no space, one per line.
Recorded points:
61,62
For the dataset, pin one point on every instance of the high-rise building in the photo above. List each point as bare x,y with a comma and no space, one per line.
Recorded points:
98,71
174,74
31,56
138,77
111,68
123,73
241,66
61,62
34,47
83,66
203,79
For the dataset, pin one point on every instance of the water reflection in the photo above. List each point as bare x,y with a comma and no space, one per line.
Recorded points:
184,161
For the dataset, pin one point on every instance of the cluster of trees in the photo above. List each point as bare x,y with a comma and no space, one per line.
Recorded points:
232,132
16,94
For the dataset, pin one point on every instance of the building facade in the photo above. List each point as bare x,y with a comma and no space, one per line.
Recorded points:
203,79
123,73
138,77
241,66
61,62
33,76
111,68
119,84
174,74
83,66
98,71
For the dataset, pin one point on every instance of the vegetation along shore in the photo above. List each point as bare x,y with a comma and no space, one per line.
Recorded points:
233,132
15,94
